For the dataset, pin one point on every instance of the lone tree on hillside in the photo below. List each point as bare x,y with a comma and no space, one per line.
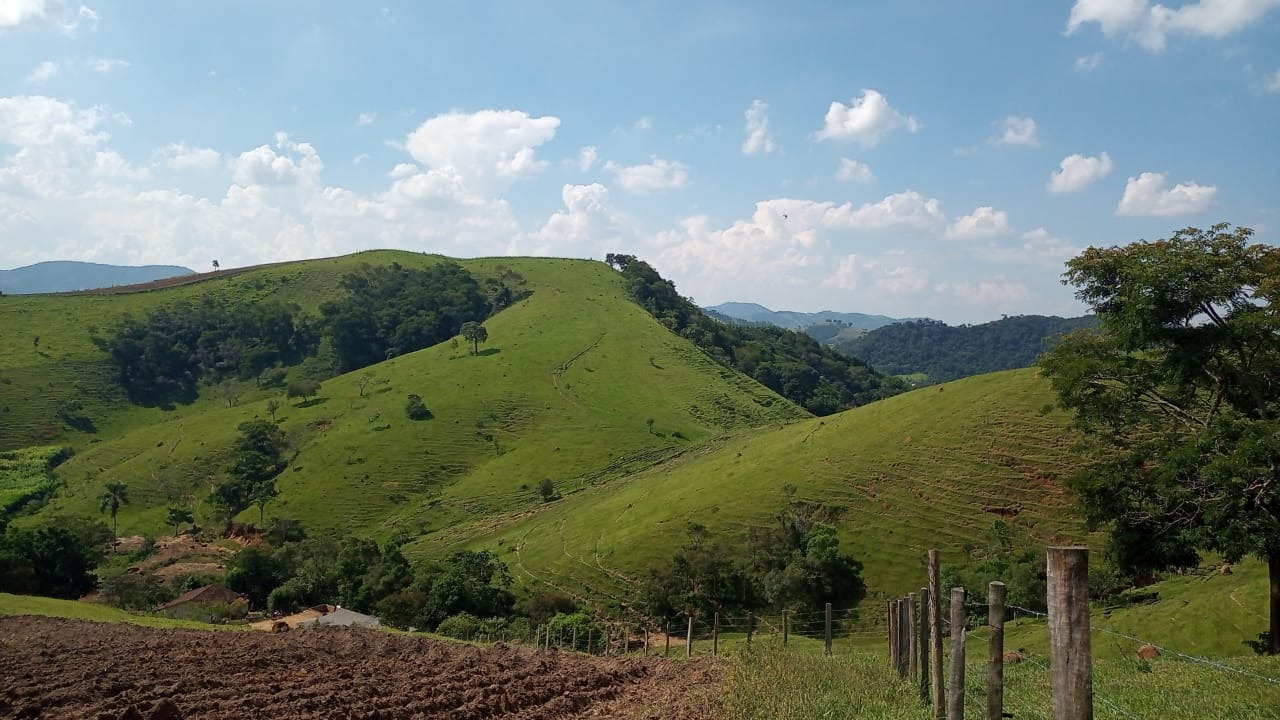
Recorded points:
178,516
1180,389
256,459
305,389
115,495
474,332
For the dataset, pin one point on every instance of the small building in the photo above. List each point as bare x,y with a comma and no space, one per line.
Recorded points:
206,604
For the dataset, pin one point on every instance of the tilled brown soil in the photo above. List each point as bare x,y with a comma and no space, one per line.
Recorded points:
55,668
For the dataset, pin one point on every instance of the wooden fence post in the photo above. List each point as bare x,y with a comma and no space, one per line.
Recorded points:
1070,660
893,634
575,638
936,683
828,629
913,649
666,633
924,644
751,626
715,635
646,641
904,637
688,640
955,691
995,650
786,629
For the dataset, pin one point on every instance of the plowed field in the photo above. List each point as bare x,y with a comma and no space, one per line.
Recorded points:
56,668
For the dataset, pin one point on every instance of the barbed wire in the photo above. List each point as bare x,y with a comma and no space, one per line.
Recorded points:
1193,658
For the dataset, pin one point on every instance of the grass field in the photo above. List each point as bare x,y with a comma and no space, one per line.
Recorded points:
49,607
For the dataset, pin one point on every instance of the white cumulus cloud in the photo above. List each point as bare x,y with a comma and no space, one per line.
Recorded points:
1151,25
983,222
483,145
854,172
43,72
1146,195
1018,131
759,139
366,118
296,163
180,156
1076,172
654,176
866,120
16,12
588,157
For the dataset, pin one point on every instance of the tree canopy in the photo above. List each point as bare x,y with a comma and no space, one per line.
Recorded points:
789,363
1180,390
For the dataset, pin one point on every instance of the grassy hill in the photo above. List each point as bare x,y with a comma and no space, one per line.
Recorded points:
563,391
931,468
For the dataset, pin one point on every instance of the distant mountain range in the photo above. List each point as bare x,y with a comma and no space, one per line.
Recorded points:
67,276
751,312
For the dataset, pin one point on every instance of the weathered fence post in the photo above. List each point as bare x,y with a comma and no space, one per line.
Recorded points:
715,635
786,629
751,626
936,683
666,634
688,640
955,693
828,629
923,626
913,650
893,634
995,650
646,641
575,638
904,637
607,639
1070,660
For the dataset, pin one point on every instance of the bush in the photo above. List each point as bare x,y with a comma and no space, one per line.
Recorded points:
415,410
463,626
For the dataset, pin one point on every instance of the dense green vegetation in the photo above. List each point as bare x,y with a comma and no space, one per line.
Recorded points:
793,564
788,362
1181,390
943,352
26,476
56,559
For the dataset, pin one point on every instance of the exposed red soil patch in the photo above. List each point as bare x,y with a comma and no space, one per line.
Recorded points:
56,668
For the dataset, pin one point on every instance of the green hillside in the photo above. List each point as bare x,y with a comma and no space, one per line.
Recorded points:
931,468
562,390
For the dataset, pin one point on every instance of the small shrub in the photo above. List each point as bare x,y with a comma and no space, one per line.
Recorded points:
547,490
463,626
415,409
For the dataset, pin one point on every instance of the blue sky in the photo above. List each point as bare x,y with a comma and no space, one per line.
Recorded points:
910,158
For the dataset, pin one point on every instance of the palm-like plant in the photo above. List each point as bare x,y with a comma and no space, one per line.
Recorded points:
116,494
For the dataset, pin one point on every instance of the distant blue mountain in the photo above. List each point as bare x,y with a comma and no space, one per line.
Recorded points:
66,275
751,312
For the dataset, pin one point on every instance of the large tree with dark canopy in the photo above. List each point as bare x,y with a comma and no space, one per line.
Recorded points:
1180,387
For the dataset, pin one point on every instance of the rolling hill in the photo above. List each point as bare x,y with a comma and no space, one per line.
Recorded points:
751,312
563,390
70,276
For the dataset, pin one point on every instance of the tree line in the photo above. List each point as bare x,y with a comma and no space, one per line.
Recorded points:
164,356
944,352
787,362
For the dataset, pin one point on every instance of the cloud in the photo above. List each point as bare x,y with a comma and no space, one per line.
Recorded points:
1089,63
1037,246
298,163
651,177
1146,196
586,227
866,120
854,172
907,209
983,222
998,292
587,158
482,147
1273,82
66,17
43,72
361,159
1017,131
106,65
759,139
180,156
1151,25
16,12
366,118
403,170
1076,172
644,123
